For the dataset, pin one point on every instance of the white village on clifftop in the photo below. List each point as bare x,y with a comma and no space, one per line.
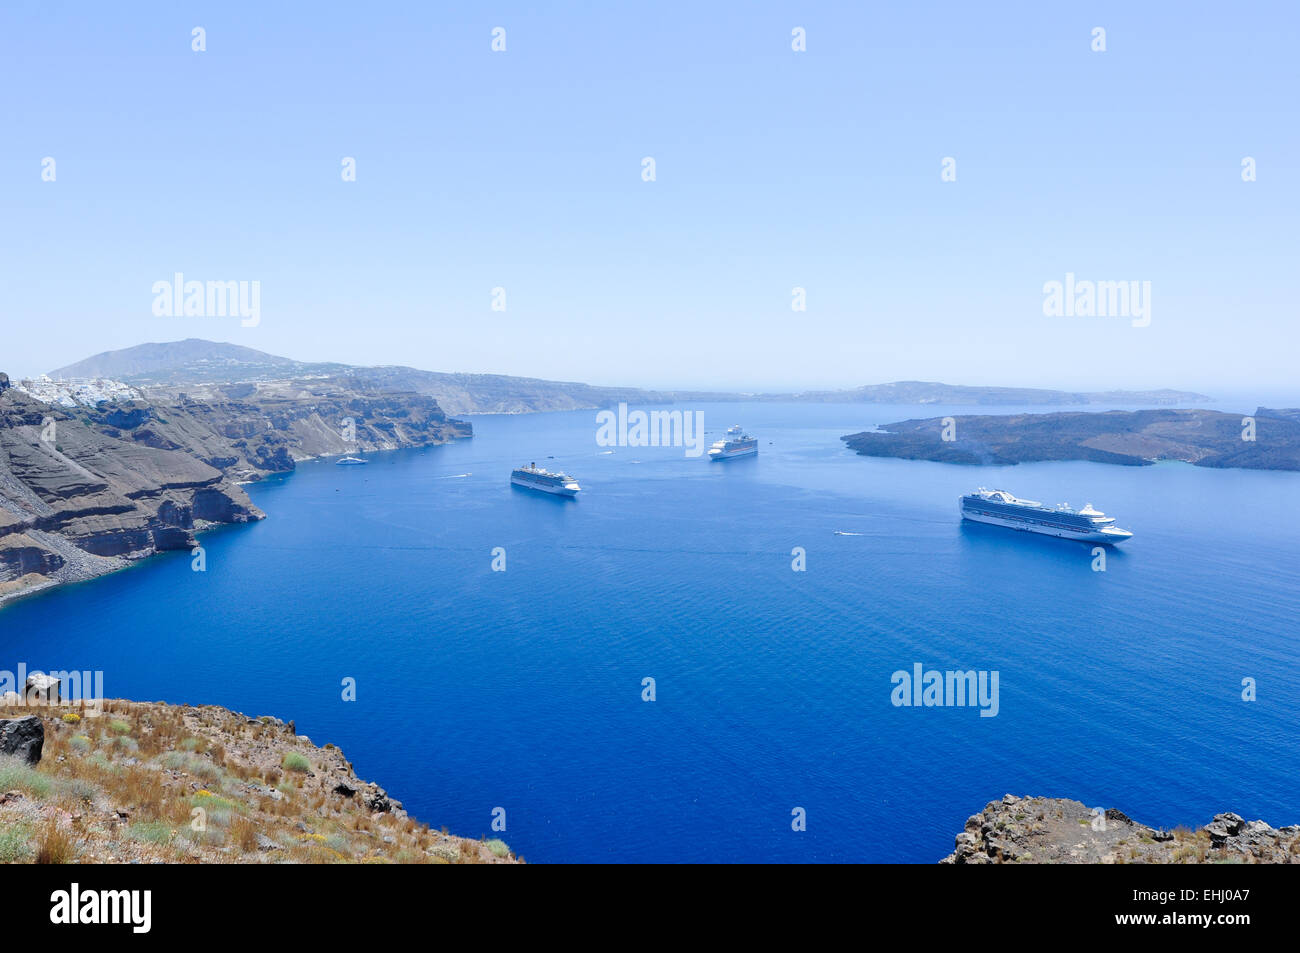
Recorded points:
76,391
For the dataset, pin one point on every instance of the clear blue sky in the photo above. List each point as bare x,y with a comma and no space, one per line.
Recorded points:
775,169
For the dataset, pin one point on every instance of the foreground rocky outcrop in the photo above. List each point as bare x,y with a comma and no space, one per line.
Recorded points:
1038,830
1270,440
156,783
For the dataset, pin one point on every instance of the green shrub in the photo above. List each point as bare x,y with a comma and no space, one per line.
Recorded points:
100,760
498,847
150,832
218,809
18,775
179,761
293,761
14,846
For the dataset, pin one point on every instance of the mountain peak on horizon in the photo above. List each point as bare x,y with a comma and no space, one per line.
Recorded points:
165,355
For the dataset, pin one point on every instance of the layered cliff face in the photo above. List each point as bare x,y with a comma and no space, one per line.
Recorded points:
76,502
85,490
249,430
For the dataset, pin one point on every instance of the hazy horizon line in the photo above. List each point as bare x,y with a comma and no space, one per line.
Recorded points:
768,389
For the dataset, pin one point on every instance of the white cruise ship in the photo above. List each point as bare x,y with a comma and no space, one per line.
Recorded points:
1000,508
533,477
736,444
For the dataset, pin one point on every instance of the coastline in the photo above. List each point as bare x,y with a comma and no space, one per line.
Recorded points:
89,571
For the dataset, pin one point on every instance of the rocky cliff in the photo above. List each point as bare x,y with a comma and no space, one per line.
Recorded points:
1039,830
77,502
252,429
87,489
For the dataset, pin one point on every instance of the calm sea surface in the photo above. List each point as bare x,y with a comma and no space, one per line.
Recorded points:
522,689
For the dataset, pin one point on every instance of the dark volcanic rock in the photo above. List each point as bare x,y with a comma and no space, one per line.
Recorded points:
1223,827
170,538
17,559
172,513
22,738
376,799
219,505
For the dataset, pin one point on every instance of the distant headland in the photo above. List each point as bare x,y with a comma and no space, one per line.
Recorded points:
1267,440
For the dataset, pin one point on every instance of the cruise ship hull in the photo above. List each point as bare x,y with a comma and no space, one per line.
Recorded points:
1060,532
554,490
732,454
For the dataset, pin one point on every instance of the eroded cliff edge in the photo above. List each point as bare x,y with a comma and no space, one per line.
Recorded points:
1043,830
86,490
150,782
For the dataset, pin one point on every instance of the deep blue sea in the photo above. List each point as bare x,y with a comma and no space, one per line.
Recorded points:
523,689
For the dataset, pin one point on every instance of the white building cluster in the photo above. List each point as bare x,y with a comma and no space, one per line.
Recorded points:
77,391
